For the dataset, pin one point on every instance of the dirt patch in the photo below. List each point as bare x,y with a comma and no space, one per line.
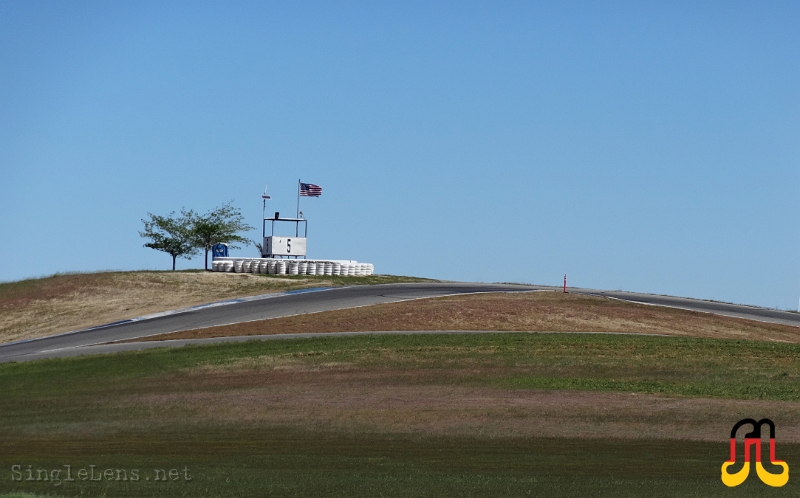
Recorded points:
402,401
536,311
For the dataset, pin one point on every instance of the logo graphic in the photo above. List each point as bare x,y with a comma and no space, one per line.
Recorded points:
753,438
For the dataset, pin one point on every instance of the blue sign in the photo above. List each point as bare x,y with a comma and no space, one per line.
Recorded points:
219,251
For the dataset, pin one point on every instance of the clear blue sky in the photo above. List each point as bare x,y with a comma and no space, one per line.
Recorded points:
646,146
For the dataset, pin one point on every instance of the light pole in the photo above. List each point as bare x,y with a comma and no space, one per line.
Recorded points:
265,197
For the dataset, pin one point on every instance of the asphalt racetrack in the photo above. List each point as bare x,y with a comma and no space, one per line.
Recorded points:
94,340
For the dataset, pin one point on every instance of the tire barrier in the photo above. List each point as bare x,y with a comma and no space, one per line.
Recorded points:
272,266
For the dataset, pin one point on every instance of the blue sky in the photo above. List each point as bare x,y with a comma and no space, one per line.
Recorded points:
646,146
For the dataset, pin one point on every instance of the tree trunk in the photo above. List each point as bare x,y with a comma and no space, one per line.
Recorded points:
174,257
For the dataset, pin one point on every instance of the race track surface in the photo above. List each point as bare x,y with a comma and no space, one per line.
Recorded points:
269,306
94,340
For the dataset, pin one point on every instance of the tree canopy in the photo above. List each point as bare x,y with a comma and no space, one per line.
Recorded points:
218,226
170,234
184,235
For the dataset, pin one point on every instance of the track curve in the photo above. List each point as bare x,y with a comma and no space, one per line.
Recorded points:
297,303
270,306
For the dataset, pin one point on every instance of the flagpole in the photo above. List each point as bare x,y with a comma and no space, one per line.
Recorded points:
264,213
297,216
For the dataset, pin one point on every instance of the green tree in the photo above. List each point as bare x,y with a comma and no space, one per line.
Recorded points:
170,234
219,226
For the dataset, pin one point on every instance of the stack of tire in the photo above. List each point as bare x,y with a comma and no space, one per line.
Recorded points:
270,266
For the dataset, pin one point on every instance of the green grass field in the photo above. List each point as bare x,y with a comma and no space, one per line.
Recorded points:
316,417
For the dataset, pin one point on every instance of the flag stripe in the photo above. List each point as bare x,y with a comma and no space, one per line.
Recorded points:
310,190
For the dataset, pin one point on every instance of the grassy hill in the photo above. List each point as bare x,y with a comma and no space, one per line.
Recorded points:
507,414
530,311
63,302
504,414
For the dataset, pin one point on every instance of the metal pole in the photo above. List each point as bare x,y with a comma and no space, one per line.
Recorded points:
264,213
296,223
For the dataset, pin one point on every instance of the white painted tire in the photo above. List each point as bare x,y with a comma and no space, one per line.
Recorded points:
294,268
311,268
280,267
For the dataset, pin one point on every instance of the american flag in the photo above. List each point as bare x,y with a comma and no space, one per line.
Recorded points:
310,190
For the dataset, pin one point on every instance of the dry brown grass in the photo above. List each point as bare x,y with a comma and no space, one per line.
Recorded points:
40,307
355,400
536,311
